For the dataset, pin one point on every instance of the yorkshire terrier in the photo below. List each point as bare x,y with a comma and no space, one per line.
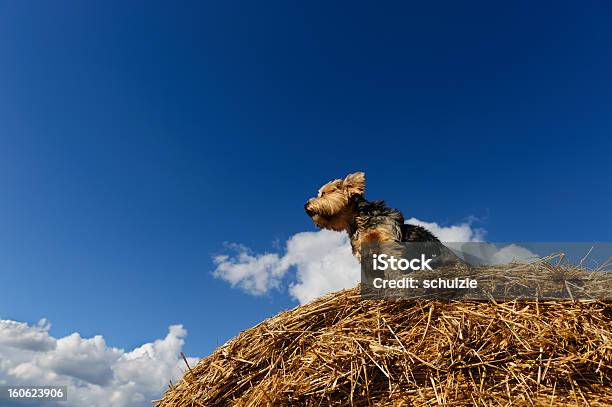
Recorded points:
340,205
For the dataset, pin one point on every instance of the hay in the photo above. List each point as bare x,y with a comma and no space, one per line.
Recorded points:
343,350
548,278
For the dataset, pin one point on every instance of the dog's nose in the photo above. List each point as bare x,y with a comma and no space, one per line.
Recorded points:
307,209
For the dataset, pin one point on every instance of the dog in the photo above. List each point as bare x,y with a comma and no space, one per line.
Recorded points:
340,205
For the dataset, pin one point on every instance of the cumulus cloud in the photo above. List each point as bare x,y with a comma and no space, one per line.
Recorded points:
322,261
254,274
512,253
95,373
492,254
24,336
462,232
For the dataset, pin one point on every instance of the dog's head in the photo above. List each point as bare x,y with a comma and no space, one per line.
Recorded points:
331,209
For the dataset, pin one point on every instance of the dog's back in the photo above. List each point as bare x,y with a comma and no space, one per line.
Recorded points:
413,233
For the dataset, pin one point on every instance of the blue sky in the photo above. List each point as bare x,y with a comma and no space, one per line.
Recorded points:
135,139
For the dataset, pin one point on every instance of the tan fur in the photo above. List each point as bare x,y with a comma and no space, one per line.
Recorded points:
330,209
382,234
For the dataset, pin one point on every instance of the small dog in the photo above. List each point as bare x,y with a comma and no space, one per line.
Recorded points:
340,205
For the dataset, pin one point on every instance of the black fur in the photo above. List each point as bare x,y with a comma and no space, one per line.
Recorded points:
374,213
413,233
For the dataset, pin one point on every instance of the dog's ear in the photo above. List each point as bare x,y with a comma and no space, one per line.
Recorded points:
355,183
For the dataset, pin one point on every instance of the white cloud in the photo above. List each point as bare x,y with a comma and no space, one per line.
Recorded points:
254,274
322,261
512,253
492,254
463,232
95,373
24,336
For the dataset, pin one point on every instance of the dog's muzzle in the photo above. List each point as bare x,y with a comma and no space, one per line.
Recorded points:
309,211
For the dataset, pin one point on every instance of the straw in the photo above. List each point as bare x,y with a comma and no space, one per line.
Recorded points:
343,350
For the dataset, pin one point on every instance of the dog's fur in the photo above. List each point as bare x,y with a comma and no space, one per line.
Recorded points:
340,205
